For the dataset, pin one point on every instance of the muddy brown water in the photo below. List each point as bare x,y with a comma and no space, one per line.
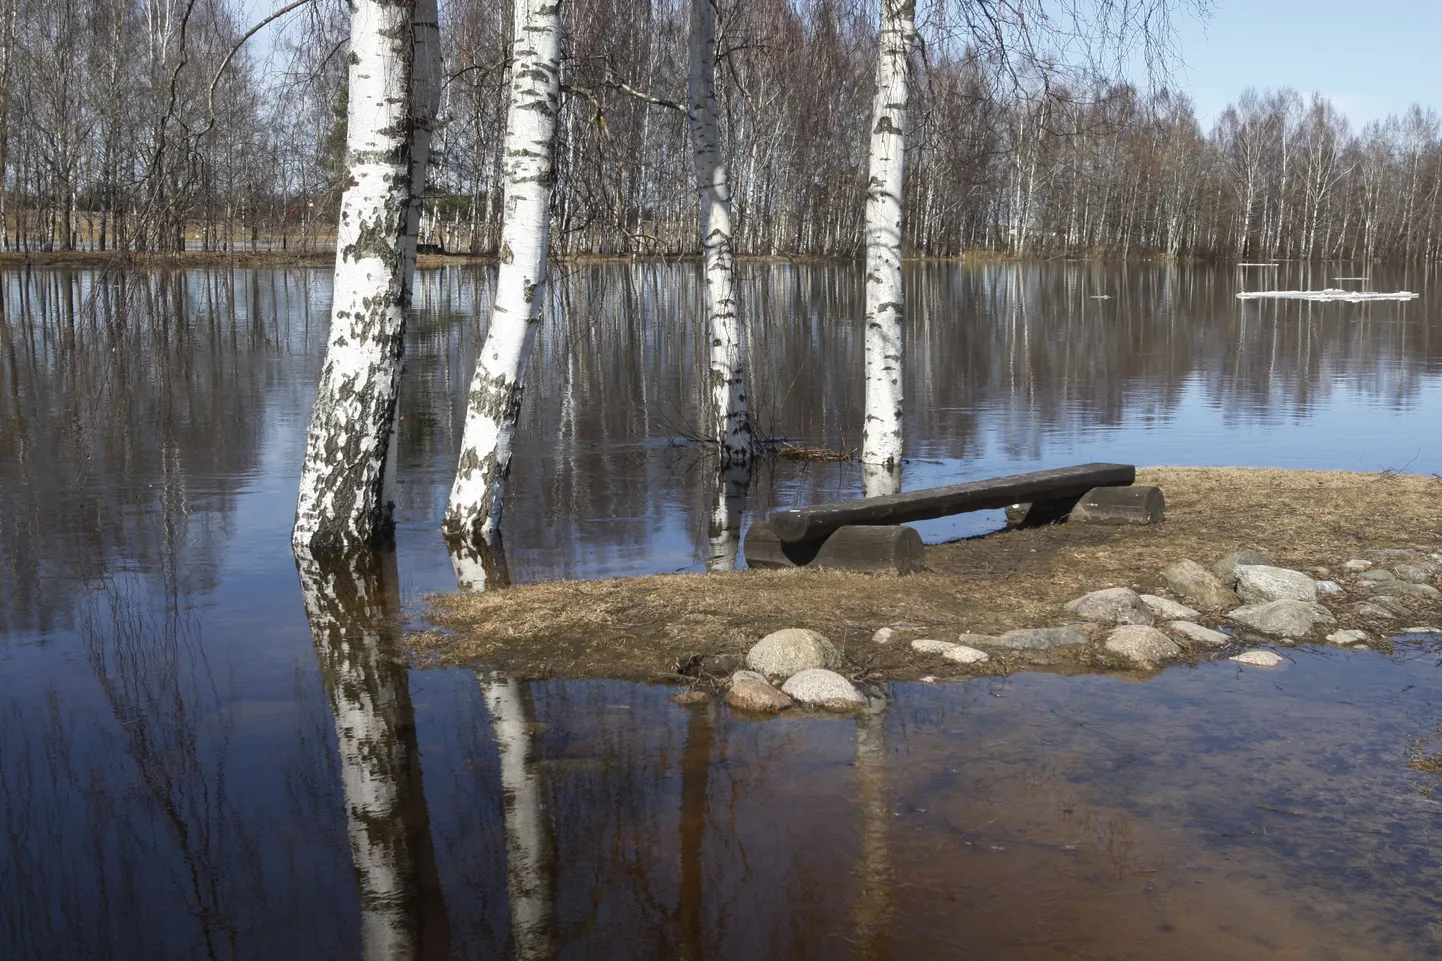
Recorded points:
199,760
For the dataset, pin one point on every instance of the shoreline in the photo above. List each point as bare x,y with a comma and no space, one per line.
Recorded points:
695,629
323,257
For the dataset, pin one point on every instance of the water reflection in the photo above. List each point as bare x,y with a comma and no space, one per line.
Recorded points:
353,610
529,854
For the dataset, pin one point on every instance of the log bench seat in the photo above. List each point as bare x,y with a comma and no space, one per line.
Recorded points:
866,535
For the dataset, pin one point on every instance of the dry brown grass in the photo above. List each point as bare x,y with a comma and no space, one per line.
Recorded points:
648,627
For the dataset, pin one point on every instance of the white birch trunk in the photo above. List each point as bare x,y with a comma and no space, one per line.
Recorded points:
494,403
352,610
343,501
528,858
425,101
732,426
881,438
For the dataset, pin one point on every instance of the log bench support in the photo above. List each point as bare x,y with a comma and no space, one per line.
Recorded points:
886,548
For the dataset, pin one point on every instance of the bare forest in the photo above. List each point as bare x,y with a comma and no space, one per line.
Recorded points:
149,126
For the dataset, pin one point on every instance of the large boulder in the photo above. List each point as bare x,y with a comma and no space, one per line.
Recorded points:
1416,592
1258,584
1423,572
1166,609
1258,658
749,694
1284,618
928,646
1114,605
1141,645
1226,568
1197,585
1037,638
962,654
1197,634
818,687
784,653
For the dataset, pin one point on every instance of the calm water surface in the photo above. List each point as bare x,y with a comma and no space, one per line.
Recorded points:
194,762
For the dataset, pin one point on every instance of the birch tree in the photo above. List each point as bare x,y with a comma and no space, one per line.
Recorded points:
494,402
425,101
726,334
881,437
343,501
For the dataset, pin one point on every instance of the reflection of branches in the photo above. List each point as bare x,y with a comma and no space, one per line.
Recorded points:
162,691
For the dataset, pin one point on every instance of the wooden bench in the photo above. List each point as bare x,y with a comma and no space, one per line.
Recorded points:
865,534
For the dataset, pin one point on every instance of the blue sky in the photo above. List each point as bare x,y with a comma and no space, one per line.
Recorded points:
1371,58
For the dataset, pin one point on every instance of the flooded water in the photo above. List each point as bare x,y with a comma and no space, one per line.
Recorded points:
200,758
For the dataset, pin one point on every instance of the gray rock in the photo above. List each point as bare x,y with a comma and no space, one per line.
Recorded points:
1165,609
1226,568
1422,573
818,687
1198,634
1258,658
962,654
1114,605
1416,592
1348,638
972,640
1199,586
749,676
1328,587
1258,584
1283,618
1038,638
1419,630
1386,608
758,697
882,636
1377,576
784,653
928,646
1146,646
1356,565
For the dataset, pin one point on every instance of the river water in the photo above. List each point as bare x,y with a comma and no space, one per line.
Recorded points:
195,763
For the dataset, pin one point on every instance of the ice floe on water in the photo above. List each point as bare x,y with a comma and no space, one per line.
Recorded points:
1328,293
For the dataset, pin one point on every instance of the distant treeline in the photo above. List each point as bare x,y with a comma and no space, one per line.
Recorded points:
146,125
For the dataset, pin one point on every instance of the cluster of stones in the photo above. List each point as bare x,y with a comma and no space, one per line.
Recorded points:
1246,592
790,667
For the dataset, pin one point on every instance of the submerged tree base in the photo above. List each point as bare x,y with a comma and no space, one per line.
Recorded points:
669,627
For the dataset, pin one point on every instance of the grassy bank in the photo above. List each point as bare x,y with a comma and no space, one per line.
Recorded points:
667,626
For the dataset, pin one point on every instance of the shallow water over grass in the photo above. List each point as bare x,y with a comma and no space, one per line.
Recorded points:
193,764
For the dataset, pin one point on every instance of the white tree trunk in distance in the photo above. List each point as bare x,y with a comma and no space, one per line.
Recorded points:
528,858
478,494
342,487
713,190
425,102
881,438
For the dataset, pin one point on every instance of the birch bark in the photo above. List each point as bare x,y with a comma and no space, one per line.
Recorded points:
713,192
342,488
479,491
881,437
425,101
